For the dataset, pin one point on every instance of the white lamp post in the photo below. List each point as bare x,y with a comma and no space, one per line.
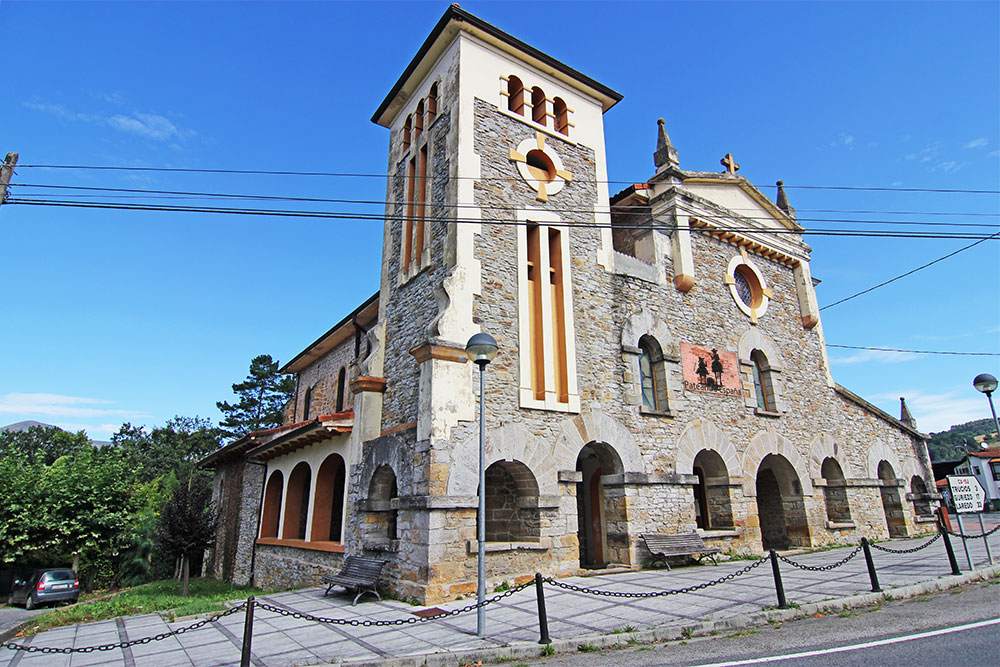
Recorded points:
986,383
481,349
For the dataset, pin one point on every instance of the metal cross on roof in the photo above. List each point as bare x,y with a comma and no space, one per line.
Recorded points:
730,164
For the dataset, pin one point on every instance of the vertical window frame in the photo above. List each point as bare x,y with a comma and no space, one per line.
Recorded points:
539,313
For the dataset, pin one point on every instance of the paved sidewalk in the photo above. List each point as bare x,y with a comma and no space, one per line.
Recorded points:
512,623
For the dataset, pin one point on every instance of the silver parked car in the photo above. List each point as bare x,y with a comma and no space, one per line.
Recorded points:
45,586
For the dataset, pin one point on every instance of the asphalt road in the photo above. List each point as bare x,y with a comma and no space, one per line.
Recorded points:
11,617
888,626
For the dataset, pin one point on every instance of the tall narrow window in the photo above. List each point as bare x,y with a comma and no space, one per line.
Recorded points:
416,198
561,114
535,312
538,111
418,120
432,104
558,316
515,95
762,382
407,132
545,329
646,377
307,403
341,384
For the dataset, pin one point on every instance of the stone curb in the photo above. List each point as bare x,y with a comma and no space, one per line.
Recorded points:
675,631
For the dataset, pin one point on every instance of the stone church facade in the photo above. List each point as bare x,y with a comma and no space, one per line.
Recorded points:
662,367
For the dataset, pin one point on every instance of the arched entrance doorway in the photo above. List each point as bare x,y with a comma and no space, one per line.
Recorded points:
782,513
891,502
601,514
838,510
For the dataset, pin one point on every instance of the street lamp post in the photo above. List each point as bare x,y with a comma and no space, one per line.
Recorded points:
986,383
481,349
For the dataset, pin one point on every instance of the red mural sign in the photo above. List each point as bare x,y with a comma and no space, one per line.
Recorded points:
710,370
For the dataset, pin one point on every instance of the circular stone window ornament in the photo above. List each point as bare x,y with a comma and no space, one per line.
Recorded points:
540,167
747,287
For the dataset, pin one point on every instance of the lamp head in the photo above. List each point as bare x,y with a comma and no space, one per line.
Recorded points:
985,383
481,349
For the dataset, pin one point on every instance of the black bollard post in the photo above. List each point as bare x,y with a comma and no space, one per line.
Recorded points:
247,633
778,587
951,552
871,565
543,619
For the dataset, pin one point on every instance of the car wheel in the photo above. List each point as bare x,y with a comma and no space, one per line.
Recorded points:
29,603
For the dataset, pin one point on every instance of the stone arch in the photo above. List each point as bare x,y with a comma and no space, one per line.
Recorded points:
780,509
770,442
702,434
511,442
822,447
596,426
752,340
387,451
644,323
511,498
880,452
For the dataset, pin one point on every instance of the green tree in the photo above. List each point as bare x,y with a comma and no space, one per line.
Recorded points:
262,398
173,448
186,525
52,442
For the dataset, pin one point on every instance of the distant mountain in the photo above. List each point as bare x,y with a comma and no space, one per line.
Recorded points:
24,426
956,441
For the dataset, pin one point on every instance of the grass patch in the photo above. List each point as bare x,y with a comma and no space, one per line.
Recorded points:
207,595
848,613
623,630
746,632
587,648
548,649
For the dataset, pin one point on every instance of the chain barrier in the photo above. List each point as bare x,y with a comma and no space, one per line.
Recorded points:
906,551
654,594
367,623
126,644
974,537
821,568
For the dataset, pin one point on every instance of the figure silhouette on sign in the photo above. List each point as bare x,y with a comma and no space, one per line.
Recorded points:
702,371
716,367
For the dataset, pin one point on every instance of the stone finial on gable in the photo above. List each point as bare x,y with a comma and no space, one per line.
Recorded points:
904,414
665,153
782,200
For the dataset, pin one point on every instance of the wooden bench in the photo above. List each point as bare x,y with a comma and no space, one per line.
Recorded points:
691,544
357,573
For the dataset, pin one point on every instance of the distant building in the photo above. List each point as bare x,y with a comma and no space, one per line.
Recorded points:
985,466
662,365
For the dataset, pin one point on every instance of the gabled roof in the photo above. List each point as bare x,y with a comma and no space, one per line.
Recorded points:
456,19
304,434
365,314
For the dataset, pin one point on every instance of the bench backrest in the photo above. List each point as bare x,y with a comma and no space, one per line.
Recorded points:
690,541
358,567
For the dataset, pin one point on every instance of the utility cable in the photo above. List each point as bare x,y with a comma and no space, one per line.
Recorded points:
265,172
910,272
892,349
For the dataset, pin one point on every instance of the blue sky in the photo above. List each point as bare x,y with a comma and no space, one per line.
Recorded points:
112,316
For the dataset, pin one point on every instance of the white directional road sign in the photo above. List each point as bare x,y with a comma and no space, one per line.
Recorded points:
967,493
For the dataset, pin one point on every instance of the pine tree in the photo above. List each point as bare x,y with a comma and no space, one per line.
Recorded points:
262,398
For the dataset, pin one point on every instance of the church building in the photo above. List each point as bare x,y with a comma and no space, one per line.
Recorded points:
662,367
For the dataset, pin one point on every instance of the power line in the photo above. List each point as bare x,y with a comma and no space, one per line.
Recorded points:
910,272
892,349
266,172
237,196
484,220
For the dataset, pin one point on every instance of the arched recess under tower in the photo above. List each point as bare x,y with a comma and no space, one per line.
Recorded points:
780,507
601,510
